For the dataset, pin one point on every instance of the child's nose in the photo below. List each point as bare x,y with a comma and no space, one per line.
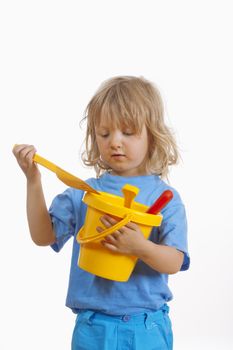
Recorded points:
116,139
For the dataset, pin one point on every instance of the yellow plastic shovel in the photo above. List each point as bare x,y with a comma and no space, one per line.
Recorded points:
64,176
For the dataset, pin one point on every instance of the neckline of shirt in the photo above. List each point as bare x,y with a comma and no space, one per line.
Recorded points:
128,179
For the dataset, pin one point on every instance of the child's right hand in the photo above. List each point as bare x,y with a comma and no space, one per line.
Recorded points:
24,155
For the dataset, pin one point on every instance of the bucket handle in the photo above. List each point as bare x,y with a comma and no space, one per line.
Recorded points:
106,232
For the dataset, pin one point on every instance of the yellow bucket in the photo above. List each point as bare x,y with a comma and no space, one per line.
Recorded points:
95,258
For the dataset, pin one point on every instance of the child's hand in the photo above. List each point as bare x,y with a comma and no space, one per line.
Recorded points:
127,240
24,155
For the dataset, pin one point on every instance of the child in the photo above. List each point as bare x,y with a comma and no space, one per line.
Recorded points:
127,142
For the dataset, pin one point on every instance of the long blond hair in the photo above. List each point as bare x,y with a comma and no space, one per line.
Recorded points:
131,101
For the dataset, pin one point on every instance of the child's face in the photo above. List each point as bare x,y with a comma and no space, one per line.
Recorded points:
121,149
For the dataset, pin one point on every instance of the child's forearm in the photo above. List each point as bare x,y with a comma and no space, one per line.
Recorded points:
161,258
39,220
130,240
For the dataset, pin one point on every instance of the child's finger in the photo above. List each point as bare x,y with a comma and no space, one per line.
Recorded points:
131,225
24,152
110,239
18,148
109,246
107,221
117,234
28,152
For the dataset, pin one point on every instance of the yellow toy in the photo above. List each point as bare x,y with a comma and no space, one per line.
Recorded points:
63,175
93,257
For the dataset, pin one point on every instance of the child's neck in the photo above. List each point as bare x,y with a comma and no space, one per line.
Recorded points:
129,174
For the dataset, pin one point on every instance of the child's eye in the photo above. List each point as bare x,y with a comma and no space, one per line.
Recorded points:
128,132
104,135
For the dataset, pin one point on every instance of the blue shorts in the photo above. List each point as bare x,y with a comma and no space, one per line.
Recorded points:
147,331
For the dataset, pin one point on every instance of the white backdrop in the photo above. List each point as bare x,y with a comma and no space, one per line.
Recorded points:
54,55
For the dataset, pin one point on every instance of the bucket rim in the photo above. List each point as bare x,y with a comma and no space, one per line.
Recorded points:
97,201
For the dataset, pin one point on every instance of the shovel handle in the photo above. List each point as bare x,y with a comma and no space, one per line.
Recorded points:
44,162
160,203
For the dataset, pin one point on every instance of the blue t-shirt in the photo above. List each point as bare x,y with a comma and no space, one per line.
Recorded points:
146,290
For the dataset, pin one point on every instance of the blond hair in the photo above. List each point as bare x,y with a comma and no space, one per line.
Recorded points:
131,101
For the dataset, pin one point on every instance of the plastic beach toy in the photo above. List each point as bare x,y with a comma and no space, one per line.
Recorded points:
63,175
161,202
95,258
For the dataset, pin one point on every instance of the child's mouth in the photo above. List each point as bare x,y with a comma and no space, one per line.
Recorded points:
118,155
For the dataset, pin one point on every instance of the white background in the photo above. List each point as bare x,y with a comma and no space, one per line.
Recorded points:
54,55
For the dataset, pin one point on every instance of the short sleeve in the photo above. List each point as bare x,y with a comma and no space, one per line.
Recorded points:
173,230
63,218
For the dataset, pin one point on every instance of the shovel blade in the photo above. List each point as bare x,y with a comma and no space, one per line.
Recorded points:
64,176
73,181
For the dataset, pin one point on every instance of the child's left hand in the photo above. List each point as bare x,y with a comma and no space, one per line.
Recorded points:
127,240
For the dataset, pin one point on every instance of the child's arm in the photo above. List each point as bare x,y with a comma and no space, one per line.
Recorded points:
130,240
39,220
161,258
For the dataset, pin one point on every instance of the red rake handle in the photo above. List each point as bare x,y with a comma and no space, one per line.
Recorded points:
160,203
